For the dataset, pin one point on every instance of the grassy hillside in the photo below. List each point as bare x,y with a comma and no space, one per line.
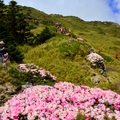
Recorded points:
66,58
99,35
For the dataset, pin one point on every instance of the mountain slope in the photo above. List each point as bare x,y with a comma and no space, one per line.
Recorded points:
99,35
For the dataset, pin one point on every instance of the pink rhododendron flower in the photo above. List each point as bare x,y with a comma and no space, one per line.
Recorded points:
62,101
35,70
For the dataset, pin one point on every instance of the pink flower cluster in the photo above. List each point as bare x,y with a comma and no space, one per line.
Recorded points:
62,101
80,39
94,57
35,70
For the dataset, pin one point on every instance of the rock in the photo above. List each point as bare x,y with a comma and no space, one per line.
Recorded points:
2,87
96,80
10,91
27,85
6,92
2,97
104,74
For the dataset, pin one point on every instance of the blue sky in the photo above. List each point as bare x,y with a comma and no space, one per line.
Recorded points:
88,10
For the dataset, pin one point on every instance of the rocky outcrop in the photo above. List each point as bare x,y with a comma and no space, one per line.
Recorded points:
97,61
6,92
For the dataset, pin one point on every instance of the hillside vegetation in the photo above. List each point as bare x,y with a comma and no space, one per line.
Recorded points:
73,67
65,58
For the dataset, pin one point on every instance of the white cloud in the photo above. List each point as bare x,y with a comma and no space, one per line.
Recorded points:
95,10
117,4
116,7
88,10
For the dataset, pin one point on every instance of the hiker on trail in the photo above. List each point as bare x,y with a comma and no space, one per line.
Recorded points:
116,55
57,26
99,50
5,59
2,48
62,30
3,55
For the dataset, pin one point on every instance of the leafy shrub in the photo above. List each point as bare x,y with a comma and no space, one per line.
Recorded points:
73,35
15,54
69,49
73,48
43,36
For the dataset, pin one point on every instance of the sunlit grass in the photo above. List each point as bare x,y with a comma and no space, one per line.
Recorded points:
103,36
77,71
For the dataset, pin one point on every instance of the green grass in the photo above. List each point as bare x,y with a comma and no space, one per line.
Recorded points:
76,70
65,58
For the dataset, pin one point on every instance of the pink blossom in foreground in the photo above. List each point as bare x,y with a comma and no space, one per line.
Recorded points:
62,101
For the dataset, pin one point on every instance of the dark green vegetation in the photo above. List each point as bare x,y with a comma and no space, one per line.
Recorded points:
30,37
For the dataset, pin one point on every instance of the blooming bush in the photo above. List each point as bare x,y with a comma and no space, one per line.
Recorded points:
63,101
80,39
31,73
34,71
94,57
